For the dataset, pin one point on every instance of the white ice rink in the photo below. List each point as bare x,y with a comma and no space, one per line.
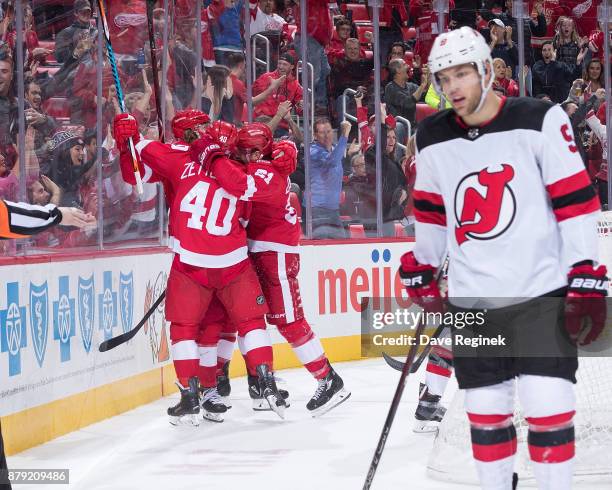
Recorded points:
253,451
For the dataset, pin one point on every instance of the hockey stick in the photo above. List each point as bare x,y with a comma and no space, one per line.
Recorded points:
113,64
124,337
380,447
399,365
152,46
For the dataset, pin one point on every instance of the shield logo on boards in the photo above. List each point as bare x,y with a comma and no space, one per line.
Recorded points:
86,297
126,300
64,321
107,306
39,319
13,328
485,205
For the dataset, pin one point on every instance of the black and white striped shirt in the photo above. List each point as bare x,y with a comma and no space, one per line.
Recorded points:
19,219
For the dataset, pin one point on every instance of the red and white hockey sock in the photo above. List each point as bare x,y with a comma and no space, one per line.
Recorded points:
549,405
225,349
552,449
306,346
494,447
184,352
439,370
256,347
208,365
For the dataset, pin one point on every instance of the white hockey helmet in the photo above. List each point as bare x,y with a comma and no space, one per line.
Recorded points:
460,47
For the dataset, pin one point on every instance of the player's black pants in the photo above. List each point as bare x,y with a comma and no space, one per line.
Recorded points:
3,467
535,342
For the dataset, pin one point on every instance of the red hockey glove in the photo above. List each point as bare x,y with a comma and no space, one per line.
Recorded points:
284,157
420,282
124,128
585,304
205,151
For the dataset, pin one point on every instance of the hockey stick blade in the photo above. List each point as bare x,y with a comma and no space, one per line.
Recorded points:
124,337
399,365
394,363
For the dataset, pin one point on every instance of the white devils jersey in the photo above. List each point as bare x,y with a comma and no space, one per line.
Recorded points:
511,201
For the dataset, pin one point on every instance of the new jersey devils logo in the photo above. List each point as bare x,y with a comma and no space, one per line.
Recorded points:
484,204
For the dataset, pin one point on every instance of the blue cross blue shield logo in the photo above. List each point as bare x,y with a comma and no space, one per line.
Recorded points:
39,319
13,328
107,306
64,321
87,303
126,300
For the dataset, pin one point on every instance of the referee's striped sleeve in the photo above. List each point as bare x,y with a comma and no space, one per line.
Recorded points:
18,220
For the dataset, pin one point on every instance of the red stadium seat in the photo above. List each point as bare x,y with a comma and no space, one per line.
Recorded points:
57,107
360,12
357,231
423,110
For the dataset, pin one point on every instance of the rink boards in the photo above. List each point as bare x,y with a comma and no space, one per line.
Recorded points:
54,312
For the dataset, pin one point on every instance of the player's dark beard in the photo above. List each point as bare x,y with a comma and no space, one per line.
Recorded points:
190,135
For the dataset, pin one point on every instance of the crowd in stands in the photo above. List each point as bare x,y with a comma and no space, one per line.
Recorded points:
62,162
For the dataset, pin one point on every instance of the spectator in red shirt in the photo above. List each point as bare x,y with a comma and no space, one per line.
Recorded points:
237,66
425,18
350,71
509,86
128,30
344,29
584,13
319,33
272,88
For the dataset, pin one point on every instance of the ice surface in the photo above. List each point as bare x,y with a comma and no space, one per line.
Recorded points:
253,451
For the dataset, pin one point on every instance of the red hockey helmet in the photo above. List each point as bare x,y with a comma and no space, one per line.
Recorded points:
224,133
188,119
255,136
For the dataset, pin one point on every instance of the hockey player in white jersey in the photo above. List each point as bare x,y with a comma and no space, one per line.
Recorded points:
501,186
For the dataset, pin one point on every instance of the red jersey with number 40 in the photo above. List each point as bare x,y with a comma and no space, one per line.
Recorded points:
273,225
205,217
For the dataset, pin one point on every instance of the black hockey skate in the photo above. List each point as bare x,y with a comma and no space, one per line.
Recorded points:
212,405
187,411
260,404
223,386
269,391
329,394
429,412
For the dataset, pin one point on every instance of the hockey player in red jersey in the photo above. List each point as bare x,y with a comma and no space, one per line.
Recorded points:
274,233
211,258
519,222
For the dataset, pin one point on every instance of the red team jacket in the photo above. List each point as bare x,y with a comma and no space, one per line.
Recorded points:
273,225
207,219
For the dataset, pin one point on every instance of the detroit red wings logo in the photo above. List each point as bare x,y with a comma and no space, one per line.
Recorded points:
485,205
